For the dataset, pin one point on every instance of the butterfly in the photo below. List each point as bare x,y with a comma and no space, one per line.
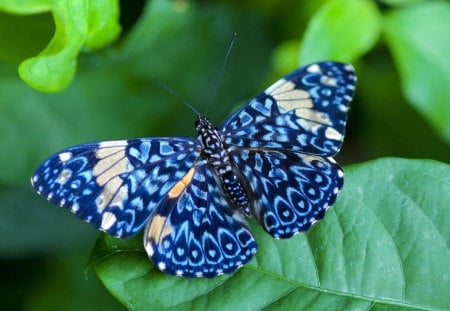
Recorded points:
271,160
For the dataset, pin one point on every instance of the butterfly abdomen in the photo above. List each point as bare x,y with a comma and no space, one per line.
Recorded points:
235,191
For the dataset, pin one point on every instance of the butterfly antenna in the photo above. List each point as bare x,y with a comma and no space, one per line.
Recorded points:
168,89
219,77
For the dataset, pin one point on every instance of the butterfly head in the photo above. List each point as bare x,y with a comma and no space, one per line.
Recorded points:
202,123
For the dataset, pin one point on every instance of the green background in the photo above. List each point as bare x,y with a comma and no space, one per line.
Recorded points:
73,72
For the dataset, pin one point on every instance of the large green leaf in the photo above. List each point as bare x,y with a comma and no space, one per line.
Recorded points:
78,24
418,38
384,246
341,30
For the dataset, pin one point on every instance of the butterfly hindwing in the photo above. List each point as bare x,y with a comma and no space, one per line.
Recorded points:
115,185
305,111
194,232
290,190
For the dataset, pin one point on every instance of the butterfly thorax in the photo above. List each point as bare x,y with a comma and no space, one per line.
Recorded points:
215,153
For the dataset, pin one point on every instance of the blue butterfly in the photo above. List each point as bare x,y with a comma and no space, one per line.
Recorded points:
271,160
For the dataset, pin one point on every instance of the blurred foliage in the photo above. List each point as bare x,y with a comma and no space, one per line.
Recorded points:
78,24
107,91
420,51
342,41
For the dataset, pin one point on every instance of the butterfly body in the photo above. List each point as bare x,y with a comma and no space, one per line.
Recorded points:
272,160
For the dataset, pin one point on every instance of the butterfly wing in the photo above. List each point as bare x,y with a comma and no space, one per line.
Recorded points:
305,111
281,143
194,232
290,190
115,185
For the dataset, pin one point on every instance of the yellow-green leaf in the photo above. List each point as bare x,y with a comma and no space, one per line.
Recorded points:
78,25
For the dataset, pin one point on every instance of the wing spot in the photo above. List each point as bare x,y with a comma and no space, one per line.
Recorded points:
198,274
120,196
294,100
331,133
313,115
149,249
318,178
275,86
113,143
349,67
182,184
330,81
155,232
166,244
108,220
64,176
161,266
314,68
194,254
110,167
343,108
65,156
309,125
100,202
75,207
293,95
110,193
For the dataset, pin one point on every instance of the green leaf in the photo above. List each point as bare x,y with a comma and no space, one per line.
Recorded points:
78,24
418,38
384,245
341,30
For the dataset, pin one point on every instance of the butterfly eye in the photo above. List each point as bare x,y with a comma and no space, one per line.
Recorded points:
197,124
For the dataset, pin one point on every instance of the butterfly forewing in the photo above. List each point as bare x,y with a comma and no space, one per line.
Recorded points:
194,232
305,111
115,185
